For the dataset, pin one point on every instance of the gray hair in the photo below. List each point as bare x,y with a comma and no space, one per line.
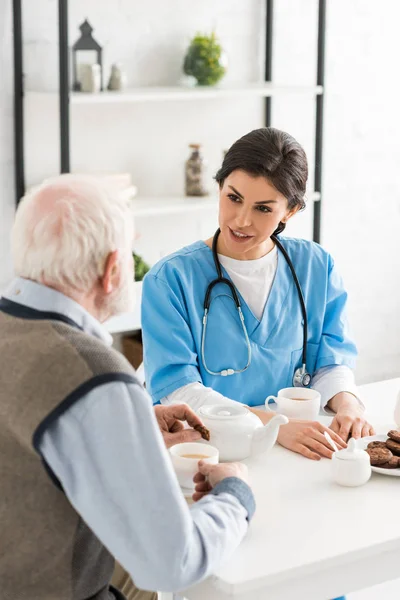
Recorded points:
64,230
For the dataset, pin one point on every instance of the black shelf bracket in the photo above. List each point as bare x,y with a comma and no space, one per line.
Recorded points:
269,25
19,176
319,120
63,59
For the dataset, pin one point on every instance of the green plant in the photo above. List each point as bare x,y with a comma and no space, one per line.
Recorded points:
204,60
141,267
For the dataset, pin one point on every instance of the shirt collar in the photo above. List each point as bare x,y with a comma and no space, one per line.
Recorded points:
249,266
41,297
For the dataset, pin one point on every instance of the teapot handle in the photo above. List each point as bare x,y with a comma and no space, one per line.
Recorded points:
274,398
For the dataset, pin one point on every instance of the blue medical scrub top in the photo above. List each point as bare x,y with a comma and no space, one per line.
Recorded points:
172,321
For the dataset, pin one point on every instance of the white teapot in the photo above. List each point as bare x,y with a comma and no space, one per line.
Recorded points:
237,432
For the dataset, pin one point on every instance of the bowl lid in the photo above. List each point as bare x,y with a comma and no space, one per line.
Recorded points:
223,411
352,452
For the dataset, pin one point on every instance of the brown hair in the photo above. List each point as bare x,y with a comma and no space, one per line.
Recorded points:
275,155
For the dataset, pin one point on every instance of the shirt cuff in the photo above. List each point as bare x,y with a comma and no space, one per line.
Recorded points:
196,395
238,488
332,380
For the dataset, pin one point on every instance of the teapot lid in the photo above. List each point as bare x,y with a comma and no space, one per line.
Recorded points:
223,411
352,452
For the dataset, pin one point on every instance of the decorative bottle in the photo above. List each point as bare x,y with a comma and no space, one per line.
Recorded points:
195,173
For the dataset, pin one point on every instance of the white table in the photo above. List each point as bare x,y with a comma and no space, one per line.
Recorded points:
310,538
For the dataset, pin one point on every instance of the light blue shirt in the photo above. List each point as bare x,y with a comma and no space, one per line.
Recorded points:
172,325
109,455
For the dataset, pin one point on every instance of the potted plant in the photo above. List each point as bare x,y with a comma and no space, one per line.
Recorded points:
205,60
141,267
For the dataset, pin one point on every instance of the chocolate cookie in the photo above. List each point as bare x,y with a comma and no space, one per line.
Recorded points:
377,444
393,463
393,446
394,435
204,432
379,456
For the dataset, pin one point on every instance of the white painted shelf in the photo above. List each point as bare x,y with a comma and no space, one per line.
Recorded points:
146,207
160,94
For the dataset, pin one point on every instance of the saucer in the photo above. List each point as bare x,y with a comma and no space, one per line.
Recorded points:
362,443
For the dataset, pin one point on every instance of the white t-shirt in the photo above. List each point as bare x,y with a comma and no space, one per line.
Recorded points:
253,278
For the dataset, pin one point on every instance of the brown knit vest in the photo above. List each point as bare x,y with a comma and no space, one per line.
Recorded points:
47,552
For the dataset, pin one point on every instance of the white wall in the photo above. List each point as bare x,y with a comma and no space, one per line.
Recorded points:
6,141
361,215
361,199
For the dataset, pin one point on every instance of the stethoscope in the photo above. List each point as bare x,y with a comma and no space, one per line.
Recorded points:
301,377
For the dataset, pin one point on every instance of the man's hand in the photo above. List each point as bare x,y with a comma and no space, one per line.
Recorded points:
209,475
170,419
349,420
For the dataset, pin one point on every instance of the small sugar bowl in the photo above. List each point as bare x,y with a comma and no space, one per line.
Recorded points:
351,467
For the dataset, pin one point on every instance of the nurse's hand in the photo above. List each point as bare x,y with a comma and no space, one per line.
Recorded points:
307,438
170,421
349,420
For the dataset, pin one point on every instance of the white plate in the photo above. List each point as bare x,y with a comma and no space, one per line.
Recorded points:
363,443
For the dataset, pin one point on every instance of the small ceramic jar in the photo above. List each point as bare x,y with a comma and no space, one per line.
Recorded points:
351,467
118,78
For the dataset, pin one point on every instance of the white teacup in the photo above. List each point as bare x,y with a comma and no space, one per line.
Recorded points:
297,403
185,459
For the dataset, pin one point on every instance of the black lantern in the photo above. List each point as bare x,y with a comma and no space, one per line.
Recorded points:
85,43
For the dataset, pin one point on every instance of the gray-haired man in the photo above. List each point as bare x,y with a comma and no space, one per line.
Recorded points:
84,471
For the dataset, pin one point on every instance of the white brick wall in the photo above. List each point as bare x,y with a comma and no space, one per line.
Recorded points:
361,201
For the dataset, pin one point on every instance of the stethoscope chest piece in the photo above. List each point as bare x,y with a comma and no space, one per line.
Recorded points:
301,377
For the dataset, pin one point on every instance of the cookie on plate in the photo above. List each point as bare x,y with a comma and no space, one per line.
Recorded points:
377,444
379,456
393,446
394,435
393,463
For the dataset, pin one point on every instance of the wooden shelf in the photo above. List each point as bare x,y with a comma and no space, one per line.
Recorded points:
161,94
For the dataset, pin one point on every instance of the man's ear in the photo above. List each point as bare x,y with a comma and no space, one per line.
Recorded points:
111,275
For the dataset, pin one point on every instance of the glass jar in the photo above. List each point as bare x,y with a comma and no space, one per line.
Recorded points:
195,173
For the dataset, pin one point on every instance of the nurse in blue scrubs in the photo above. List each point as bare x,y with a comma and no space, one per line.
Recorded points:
262,184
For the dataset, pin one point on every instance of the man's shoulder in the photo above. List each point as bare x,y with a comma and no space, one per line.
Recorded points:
97,356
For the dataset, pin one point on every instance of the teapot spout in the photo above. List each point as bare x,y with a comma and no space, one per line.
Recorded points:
265,437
